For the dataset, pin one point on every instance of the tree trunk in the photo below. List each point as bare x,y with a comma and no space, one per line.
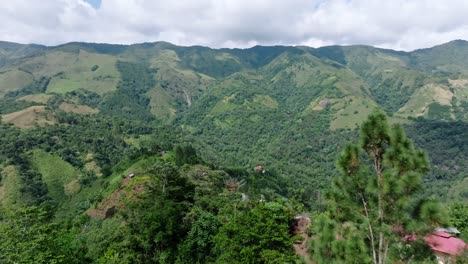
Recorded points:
371,230
378,169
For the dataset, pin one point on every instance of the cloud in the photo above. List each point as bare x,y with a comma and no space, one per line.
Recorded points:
398,24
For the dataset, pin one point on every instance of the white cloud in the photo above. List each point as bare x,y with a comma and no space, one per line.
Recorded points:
399,24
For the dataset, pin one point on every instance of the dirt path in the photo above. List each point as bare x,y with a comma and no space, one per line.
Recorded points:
302,223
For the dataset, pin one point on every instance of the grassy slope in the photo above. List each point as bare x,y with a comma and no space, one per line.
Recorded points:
13,80
59,176
176,87
448,58
418,104
389,79
9,187
70,70
30,117
161,104
79,74
137,142
36,98
351,111
77,109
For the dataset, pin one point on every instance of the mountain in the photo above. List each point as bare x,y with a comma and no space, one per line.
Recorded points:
154,152
393,80
288,108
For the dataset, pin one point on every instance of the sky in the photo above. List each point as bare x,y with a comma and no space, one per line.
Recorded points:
395,24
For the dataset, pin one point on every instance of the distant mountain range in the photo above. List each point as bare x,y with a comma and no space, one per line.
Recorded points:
280,105
430,83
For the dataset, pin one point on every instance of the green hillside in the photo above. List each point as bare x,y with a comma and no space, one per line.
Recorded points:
276,103
182,74
57,174
200,130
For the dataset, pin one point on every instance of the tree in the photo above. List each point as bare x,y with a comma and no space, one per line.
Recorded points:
259,235
156,220
27,237
458,213
186,155
374,198
197,246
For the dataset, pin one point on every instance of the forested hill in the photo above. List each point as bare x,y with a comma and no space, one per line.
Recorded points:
100,141
288,108
428,82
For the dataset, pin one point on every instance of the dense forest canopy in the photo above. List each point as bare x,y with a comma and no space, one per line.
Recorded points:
156,153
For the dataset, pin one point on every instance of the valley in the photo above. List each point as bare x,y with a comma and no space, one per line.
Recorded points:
193,123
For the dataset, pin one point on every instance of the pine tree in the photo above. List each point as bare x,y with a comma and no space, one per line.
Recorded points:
374,198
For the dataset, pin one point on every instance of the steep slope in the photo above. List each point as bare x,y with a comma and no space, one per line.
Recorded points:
13,80
390,79
267,116
291,108
154,152
447,59
71,70
386,74
11,51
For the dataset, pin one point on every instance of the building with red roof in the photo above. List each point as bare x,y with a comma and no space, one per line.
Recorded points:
445,246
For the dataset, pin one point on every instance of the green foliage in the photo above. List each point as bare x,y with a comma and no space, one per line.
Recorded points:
258,111
130,99
334,53
83,97
55,173
417,252
235,121
33,190
393,92
439,112
180,217
446,144
104,240
204,61
186,155
99,137
448,58
458,213
10,105
37,86
374,197
156,222
259,235
197,247
350,248
27,236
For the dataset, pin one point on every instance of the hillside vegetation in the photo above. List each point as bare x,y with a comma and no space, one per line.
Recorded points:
217,141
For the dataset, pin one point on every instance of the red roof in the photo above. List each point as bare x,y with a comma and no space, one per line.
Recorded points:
444,242
258,168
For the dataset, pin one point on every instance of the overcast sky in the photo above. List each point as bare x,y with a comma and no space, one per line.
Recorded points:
396,24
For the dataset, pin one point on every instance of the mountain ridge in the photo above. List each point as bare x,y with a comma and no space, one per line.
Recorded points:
290,108
6,42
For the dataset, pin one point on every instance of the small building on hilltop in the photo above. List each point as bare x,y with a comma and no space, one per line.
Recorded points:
260,168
